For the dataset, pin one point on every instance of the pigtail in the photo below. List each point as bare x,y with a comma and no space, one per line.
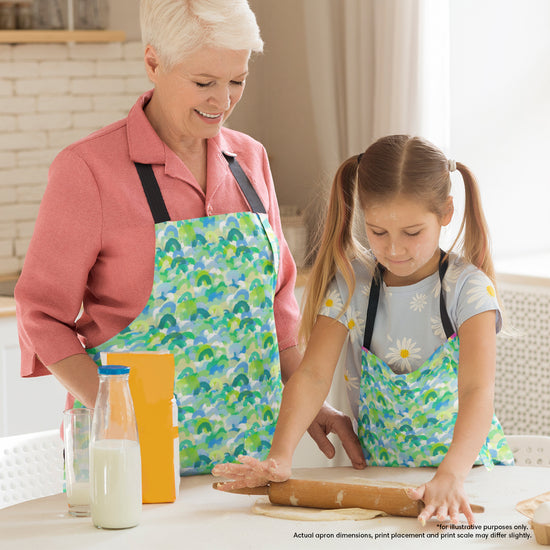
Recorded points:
337,246
476,245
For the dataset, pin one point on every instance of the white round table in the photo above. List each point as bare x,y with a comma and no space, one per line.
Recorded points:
203,518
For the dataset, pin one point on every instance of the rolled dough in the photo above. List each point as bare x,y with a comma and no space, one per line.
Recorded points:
297,513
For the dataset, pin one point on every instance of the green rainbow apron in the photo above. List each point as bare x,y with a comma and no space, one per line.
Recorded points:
408,419
211,305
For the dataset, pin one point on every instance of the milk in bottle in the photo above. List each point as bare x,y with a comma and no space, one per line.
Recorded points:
115,461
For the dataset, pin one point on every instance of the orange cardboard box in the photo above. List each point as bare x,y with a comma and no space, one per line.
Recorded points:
151,383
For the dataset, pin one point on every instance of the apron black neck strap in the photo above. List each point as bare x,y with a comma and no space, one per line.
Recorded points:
152,192
445,320
158,206
244,183
374,296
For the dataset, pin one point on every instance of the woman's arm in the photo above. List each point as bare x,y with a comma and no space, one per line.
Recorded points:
444,495
64,247
303,397
78,373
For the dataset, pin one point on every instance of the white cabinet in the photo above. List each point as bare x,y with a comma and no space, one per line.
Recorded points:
26,404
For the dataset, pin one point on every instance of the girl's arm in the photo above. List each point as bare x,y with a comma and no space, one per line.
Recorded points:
444,495
303,397
328,420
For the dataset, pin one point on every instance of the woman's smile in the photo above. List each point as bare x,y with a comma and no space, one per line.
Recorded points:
210,118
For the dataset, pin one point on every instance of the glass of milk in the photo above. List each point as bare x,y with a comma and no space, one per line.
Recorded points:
77,424
115,458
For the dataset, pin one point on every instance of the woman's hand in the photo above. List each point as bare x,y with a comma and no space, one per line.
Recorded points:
251,472
443,497
330,420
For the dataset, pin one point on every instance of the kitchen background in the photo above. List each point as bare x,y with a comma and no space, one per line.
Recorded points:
472,75
490,102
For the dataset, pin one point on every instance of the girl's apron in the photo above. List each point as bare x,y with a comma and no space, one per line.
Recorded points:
211,306
408,419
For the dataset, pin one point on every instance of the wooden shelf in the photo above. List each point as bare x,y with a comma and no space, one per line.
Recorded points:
46,36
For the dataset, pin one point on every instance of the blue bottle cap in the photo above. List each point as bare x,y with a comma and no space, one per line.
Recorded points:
113,369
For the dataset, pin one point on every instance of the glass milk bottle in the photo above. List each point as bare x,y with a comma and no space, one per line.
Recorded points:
115,460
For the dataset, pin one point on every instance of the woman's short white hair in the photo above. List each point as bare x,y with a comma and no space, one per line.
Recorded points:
177,28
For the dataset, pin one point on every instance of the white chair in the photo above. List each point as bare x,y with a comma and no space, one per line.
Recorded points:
31,466
530,450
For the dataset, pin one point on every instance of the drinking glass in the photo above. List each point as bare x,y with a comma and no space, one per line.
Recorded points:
77,427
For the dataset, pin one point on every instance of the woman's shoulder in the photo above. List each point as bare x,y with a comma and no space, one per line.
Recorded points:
108,139
91,159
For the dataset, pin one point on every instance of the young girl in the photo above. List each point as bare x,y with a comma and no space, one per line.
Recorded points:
401,308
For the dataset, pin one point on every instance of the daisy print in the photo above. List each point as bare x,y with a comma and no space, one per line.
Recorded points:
401,356
418,302
451,277
356,326
365,290
352,382
482,292
437,288
437,328
333,301
454,271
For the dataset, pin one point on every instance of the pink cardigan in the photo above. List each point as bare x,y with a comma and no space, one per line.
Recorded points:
93,243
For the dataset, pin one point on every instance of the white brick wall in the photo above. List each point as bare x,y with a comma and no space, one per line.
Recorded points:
50,96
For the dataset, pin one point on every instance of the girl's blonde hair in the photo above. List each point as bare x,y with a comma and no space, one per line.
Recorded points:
397,165
177,28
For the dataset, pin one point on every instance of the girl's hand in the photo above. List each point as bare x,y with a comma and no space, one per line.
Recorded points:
251,472
443,497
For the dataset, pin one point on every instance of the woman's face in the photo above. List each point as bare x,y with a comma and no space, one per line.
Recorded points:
195,97
404,237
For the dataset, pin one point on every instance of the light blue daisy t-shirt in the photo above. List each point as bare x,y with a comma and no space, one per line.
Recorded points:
408,326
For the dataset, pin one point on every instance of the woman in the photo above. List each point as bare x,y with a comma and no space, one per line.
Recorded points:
218,292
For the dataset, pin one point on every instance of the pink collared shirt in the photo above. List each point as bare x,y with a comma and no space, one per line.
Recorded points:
94,239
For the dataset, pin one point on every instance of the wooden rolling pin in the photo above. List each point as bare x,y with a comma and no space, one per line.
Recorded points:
394,501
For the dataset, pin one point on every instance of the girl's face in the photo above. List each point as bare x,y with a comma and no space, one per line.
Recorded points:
404,237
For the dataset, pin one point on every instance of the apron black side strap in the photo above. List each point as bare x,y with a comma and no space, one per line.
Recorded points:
245,185
152,192
374,296
445,320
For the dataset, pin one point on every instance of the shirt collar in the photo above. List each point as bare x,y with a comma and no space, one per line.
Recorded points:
144,144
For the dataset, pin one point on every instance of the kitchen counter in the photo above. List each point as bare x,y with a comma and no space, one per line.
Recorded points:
7,306
203,518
